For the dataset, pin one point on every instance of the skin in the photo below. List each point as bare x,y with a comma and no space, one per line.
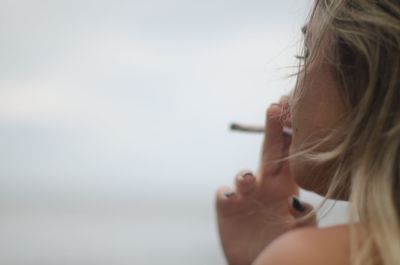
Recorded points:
317,111
327,246
258,210
247,233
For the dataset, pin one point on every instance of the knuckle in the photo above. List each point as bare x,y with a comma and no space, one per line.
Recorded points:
273,111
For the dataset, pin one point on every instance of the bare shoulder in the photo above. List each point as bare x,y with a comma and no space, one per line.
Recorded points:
309,246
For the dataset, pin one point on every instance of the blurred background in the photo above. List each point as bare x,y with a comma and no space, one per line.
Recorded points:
114,120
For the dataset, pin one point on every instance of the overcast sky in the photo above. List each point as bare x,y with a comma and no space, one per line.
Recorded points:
109,97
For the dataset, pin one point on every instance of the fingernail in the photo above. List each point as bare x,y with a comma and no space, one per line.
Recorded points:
229,194
298,205
247,175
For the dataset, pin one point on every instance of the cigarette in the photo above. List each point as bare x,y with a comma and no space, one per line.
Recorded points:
256,129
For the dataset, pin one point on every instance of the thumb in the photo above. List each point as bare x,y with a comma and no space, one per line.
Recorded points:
303,212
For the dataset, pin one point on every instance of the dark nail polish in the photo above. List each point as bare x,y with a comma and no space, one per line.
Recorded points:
229,194
296,203
247,174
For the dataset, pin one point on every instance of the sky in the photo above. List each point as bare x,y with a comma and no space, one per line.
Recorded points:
124,107
94,94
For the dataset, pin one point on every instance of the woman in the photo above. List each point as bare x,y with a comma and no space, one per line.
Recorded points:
345,116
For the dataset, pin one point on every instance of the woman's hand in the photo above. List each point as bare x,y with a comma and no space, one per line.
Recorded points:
263,206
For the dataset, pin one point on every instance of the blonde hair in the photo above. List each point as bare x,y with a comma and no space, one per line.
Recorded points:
364,45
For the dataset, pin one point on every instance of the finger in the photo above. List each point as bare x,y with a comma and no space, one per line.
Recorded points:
286,122
286,117
225,195
273,142
283,99
287,139
284,169
245,182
